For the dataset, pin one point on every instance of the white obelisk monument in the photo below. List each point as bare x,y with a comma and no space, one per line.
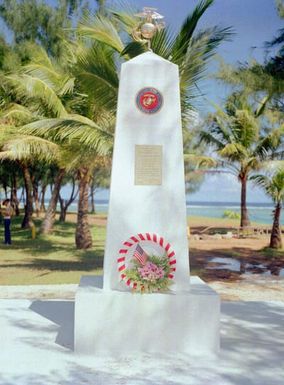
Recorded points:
147,207
147,183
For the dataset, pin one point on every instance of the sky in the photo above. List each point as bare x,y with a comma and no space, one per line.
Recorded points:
253,22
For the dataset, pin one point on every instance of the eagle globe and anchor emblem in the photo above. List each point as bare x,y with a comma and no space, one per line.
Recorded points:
149,100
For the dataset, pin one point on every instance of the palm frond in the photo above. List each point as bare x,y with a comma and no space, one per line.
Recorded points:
133,49
73,129
233,151
201,161
162,43
47,74
245,128
211,139
30,87
193,63
26,147
67,86
54,77
273,184
97,74
17,113
100,28
39,55
126,18
270,144
180,44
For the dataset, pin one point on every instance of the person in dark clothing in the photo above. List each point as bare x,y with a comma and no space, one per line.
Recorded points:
7,212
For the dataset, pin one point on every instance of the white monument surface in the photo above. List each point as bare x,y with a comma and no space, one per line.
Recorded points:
147,216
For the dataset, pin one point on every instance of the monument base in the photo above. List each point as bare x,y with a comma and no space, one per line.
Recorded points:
121,323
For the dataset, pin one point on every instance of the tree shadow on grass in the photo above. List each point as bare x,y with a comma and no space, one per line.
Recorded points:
64,229
36,246
88,260
61,239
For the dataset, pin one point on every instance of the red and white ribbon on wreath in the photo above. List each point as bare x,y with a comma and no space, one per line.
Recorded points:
135,239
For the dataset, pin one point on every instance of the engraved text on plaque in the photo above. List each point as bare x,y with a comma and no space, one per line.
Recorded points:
148,164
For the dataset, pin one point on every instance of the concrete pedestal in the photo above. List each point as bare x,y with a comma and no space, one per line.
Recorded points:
121,323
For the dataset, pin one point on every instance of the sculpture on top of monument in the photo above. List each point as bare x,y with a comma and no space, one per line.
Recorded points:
150,24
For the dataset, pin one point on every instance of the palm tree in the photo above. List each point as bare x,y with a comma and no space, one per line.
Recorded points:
273,185
80,139
24,150
31,99
241,143
49,218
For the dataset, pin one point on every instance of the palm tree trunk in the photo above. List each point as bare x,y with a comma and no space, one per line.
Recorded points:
14,198
22,196
64,203
93,208
244,212
83,236
42,204
36,198
5,188
63,209
275,239
27,221
49,218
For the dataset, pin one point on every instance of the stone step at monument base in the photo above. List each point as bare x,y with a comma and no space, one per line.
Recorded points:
117,323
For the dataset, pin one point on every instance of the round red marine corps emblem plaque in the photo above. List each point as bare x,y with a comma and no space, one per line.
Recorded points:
149,100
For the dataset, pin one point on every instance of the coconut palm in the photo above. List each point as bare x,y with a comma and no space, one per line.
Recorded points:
79,137
37,100
273,185
241,142
24,150
45,86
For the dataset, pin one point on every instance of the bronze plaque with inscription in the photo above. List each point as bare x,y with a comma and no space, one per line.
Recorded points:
148,165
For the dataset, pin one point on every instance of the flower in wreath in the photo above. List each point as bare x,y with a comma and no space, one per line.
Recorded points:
150,273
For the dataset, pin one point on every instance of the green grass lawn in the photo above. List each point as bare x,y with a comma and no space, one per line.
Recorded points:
51,259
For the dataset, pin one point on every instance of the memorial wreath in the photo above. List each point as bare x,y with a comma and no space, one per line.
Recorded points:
147,273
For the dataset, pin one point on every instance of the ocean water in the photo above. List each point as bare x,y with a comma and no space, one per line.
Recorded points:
258,212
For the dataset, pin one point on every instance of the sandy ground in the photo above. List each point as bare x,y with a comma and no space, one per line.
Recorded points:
251,288
37,340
